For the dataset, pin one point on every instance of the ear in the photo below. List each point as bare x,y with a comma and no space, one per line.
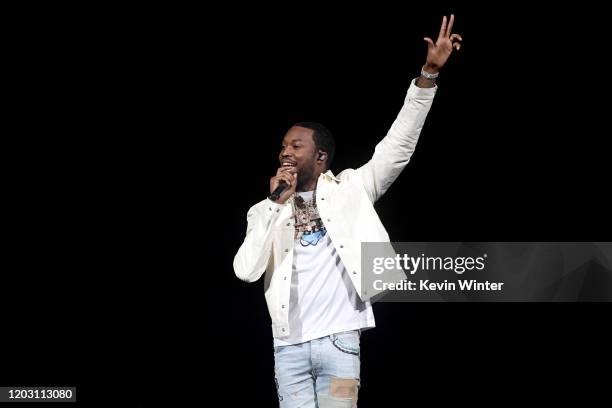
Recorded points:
322,155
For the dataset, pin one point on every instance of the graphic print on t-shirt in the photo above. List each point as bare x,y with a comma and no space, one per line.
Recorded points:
309,227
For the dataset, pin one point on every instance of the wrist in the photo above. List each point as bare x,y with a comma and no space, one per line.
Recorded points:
428,75
431,69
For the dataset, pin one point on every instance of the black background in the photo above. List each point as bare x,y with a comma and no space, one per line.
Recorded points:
149,133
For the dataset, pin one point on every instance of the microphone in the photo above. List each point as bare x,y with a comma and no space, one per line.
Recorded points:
282,186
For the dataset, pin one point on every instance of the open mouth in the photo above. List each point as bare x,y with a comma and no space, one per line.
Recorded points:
288,163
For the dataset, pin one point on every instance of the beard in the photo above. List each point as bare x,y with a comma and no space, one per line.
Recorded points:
305,175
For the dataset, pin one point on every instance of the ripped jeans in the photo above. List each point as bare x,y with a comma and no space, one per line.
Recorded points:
321,373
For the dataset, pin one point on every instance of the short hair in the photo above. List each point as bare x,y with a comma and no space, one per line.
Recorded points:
323,139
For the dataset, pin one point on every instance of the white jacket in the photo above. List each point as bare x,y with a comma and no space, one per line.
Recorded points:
345,205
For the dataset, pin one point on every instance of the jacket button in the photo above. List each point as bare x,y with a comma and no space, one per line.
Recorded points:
285,278
286,250
288,224
282,306
322,198
328,220
283,329
354,273
341,246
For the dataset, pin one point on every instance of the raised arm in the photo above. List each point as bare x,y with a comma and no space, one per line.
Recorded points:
393,153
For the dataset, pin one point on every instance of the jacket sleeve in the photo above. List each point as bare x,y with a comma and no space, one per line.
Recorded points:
393,153
254,254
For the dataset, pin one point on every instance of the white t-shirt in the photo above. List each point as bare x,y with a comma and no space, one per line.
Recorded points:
322,300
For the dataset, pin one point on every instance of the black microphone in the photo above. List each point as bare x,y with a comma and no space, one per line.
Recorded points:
282,186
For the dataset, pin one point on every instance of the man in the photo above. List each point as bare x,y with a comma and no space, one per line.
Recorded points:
308,244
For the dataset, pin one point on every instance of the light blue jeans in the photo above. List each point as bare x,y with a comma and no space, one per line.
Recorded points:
321,373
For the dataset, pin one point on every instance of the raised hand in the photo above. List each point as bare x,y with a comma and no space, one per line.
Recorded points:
438,52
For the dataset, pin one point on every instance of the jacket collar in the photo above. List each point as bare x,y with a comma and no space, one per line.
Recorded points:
329,176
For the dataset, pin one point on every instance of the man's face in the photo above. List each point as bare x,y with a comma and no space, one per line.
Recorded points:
299,150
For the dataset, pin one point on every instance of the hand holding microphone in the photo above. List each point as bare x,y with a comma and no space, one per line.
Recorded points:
283,184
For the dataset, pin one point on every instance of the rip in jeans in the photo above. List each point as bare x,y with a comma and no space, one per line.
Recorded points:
342,393
280,397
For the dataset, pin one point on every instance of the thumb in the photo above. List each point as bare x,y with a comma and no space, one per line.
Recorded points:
430,43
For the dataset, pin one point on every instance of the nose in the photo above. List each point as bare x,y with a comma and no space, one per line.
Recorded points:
286,153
